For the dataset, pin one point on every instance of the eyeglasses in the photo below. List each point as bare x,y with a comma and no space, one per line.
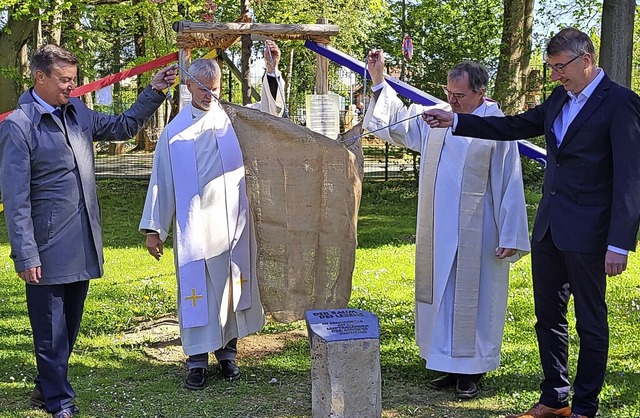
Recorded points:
559,68
456,96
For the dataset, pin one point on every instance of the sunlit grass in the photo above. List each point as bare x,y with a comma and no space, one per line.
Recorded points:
115,377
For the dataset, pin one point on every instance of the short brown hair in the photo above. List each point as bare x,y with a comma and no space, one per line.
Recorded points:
571,40
47,55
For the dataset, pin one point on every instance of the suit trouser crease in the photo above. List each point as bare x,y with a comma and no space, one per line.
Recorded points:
557,275
55,313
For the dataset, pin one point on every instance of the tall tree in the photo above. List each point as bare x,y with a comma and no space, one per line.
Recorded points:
616,39
515,55
17,32
246,58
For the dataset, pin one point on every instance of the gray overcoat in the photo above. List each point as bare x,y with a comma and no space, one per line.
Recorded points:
47,180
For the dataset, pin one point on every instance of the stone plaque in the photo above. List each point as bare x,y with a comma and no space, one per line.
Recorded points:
342,324
345,363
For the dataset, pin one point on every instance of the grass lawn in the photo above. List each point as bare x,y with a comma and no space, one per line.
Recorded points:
128,361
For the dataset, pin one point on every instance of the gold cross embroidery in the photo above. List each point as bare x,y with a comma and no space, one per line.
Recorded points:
242,280
194,298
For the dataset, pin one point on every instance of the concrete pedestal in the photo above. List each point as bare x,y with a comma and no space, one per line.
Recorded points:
345,364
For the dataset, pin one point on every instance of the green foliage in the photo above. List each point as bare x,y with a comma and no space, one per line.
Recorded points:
444,33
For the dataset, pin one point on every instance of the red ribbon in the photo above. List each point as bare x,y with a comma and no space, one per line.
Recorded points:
114,78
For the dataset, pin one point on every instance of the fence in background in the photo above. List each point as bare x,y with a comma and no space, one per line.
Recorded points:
124,159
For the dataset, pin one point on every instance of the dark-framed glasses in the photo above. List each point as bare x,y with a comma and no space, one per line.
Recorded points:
559,68
456,96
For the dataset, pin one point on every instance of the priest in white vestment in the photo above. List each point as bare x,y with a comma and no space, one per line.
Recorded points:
472,223
197,185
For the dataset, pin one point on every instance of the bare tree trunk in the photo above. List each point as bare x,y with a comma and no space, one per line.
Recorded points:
515,54
24,64
38,38
86,98
14,37
616,39
146,138
55,25
245,58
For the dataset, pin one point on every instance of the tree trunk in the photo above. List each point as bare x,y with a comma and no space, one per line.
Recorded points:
146,138
14,37
86,98
55,25
515,54
245,58
616,39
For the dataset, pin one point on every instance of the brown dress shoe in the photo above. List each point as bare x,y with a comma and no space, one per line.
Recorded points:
37,400
542,411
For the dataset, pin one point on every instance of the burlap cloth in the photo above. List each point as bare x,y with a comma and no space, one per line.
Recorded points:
304,191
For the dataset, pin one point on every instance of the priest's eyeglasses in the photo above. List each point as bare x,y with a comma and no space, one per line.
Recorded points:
559,68
456,96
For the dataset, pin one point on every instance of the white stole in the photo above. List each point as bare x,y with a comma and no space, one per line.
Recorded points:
190,240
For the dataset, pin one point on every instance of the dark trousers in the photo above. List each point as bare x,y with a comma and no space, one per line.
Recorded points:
557,275
228,352
55,312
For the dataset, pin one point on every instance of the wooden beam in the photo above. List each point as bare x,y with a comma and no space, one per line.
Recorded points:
267,29
184,59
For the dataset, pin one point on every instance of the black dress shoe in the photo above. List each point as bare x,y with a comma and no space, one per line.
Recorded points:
196,379
466,389
443,382
229,370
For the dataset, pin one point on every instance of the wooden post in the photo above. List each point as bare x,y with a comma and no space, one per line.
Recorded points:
322,68
184,59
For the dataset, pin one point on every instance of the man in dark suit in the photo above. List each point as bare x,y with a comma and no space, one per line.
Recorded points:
588,216
51,207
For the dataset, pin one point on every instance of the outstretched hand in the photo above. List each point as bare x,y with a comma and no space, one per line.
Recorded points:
165,78
437,118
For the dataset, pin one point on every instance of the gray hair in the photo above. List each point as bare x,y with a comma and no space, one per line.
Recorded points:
205,67
47,55
571,40
478,76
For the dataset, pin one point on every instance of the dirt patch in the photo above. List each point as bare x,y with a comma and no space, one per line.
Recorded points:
160,339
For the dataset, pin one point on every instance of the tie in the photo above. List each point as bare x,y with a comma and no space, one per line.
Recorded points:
58,113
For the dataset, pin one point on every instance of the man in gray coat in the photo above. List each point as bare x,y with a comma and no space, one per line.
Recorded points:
47,182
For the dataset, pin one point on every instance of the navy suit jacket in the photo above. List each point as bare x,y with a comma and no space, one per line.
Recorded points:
591,193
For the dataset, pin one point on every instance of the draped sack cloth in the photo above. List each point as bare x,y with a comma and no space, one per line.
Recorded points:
304,190
215,126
